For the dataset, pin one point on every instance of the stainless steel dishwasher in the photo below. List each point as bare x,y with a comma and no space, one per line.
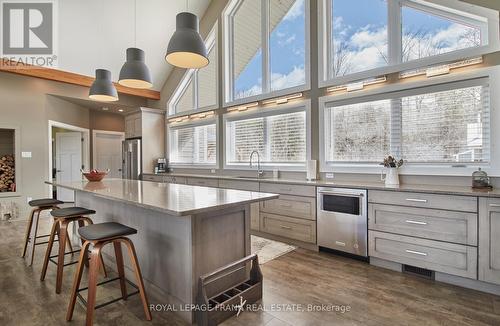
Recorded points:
342,220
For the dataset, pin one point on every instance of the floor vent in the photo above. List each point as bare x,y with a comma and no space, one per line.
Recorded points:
417,271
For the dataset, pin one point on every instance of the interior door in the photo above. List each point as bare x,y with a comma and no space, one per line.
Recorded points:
68,162
108,153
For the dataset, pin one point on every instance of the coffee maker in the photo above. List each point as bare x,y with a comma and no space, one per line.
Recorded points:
161,165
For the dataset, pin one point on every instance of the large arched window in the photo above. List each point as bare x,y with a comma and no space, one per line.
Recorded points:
198,89
266,48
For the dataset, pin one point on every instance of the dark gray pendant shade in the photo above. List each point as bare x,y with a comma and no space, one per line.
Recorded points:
135,73
186,48
102,88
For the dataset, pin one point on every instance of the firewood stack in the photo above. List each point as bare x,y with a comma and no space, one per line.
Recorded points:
7,173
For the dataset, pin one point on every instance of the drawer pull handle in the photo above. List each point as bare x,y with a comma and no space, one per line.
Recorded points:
417,200
416,252
285,227
286,205
416,222
494,205
338,243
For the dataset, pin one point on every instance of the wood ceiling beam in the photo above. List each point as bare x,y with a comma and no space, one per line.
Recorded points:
68,78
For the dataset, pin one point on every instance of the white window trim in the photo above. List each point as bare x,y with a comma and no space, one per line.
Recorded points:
263,112
204,122
492,168
394,38
227,73
211,44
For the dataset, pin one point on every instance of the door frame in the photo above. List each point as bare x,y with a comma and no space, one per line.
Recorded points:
86,146
106,132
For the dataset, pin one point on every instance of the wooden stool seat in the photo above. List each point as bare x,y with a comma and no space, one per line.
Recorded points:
62,218
72,212
106,230
45,202
98,235
31,235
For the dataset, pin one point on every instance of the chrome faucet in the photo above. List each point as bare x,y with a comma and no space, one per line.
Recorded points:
260,172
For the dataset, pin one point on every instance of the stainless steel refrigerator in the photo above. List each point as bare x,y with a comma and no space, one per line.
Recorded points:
132,159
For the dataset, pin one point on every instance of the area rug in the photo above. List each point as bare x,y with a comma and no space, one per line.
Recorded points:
268,250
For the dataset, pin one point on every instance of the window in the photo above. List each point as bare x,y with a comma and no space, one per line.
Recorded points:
393,35
447,124
193,145
266,42
198,88
279,137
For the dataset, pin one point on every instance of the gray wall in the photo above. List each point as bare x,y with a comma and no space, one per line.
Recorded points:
213,14
26,103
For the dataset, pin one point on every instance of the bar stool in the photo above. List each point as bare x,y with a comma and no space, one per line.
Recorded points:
31,236
62,218
100,235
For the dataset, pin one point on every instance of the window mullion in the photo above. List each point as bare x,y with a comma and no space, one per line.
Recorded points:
394,33
396,132
265,21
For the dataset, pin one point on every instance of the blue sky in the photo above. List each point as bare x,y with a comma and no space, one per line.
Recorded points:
360,24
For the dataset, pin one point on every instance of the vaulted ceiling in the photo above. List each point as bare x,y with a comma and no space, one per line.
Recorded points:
95,33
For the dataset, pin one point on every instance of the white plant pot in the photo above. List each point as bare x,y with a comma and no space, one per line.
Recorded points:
391,177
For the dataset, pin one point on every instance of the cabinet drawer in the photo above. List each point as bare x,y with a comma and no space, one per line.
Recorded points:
288,227
239,185
154,178
286,189
301,207
450,226
203,182
438,256
413,199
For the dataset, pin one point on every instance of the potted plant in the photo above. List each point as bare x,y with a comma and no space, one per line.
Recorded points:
391,165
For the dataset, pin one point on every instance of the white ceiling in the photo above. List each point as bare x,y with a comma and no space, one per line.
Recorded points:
95,33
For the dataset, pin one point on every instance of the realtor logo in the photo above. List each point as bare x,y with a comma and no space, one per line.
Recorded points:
28,32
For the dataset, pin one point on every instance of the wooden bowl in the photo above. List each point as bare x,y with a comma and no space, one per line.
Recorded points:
95,177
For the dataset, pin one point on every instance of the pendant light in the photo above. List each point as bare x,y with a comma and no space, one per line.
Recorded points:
102,88
135,73
186,48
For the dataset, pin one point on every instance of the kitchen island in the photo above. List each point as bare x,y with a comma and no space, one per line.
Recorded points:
183,231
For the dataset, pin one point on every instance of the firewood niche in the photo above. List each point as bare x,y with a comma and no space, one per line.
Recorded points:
7,174
7,160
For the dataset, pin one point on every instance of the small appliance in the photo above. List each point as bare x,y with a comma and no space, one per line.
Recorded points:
161,165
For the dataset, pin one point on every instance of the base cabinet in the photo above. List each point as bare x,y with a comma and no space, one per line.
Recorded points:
489,240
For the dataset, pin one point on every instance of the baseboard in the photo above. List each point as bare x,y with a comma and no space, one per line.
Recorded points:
468,283
300,244
393,266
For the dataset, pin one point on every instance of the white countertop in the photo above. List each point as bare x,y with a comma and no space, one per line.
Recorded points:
173,199
421,188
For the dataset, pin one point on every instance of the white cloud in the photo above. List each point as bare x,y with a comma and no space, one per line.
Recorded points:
369,37
295,11
289,40
295,77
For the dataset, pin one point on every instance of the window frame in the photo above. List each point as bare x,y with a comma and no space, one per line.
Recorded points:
303,105
211,42
202,122
492,74
227,56
394,33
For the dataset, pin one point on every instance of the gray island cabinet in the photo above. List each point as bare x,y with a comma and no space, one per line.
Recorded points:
183,231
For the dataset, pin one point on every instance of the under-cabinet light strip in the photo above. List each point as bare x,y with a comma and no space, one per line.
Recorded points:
440,69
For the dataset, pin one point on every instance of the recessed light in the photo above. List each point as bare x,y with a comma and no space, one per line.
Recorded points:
120,110
105,109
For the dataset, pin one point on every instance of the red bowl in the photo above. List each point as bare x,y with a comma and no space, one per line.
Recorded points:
95,176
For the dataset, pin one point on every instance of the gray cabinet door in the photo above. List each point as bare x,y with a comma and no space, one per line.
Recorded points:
489,240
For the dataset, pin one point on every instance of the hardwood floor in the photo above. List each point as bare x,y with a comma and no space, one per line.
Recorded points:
374,295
